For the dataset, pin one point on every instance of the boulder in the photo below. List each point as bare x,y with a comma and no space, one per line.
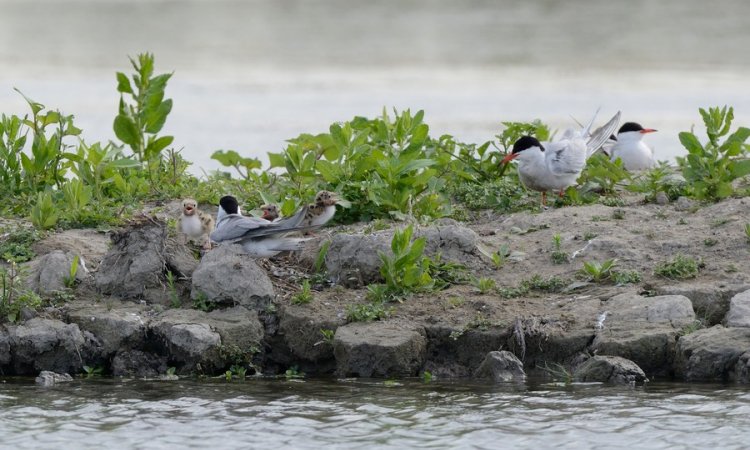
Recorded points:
49,273
195,340
455,352
90,244
352,259
713,354
135,263
4,348
47,378
710,301
301,331
120,327
379,349
739,310
138,364
229,276
45,344
501,366
643,329
609,369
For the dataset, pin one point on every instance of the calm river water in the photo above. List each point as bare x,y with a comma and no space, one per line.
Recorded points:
348,414
250,74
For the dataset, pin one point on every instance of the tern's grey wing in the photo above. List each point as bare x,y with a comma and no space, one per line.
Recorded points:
565,157
602,134
235,226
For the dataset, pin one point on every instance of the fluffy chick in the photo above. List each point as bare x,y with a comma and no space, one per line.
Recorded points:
195,224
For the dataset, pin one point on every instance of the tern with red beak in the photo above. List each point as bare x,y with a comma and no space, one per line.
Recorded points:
631,149
553,166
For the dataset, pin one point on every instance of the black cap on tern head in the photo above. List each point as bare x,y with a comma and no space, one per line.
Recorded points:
526,142
630,126
229,204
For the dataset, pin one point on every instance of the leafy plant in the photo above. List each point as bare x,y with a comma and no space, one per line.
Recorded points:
13,296
747,232
17,245
621,277
658,179
93,371
677,268
293,372
406,270
70,279
427,376
174,299
558,256
367,312
484,285
320,259
598,272
44,214
304,296
711,168
140,119
328,335
603,175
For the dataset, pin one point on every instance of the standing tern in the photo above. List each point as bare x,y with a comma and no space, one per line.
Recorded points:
631,149
553,166
259,237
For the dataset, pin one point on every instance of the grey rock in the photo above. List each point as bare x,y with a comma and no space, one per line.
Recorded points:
379,349
352,259
455,352
45,344
121,327
47,378
212,340
4,348
712,354
710,301
48,273
674,310
179,258
135,263
643,329
501,366
684,204
610,369
138,364
229,276
91,244
661,198
301,332
739,310
742,369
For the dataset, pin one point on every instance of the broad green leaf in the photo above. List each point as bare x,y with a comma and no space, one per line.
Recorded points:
276,159
155,120
35,106
125,130
155,147
123,84
691,143
741,168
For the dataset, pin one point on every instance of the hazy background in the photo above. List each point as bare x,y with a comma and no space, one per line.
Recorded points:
250,74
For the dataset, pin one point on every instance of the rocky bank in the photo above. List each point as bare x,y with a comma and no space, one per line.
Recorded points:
227,309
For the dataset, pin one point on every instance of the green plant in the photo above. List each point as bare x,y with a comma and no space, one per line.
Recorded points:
70,279
93,371
658,179
174,299
304,296
16,246
456,334
328,335
747,232
558,372
710,242
558,256
598,272
710,169
13,296
406,270
602,174
320,259
537,283
44,214
293,372
238,371
201,302
692,327
139,120
367,312
484,285
427,376
621,277
677,268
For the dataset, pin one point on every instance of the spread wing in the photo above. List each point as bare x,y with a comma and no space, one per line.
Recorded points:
235,226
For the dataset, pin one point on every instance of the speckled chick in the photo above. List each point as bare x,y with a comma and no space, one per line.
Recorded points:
196,224
323,210
270,212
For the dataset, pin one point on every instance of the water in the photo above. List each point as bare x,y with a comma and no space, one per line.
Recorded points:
251,74
370,414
